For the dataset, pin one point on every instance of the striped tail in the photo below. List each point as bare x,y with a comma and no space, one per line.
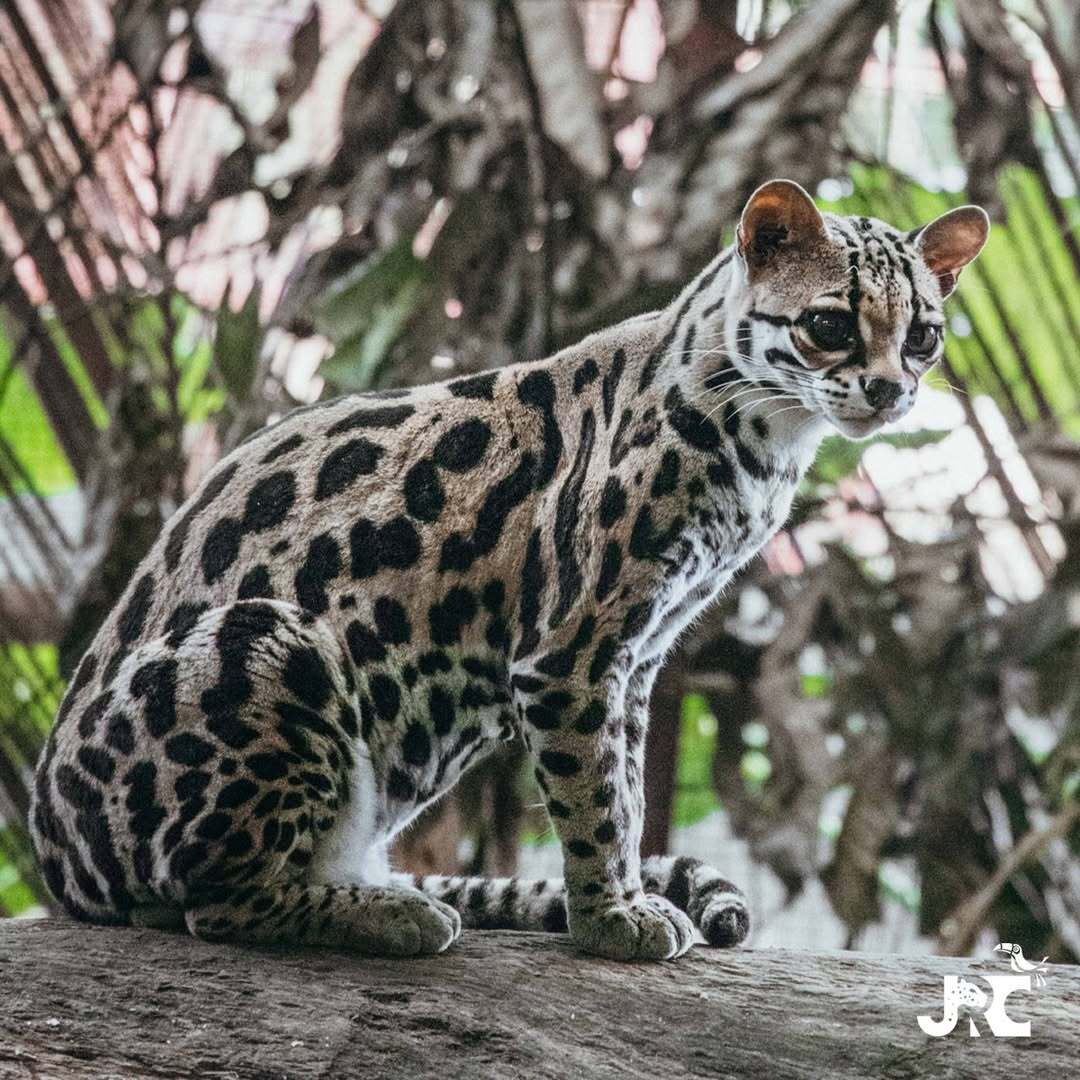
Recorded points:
716,907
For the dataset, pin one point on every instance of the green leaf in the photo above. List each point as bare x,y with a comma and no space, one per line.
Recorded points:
237,345
694,794
370,314
815,686
354,303
28,431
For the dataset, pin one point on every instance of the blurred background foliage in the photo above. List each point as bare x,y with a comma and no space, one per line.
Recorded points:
212,211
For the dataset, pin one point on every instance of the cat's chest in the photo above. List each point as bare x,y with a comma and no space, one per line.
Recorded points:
739,517
724,529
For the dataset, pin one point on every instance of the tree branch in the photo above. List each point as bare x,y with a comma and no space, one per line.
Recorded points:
79,1001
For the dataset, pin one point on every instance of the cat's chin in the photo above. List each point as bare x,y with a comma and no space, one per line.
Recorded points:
861,428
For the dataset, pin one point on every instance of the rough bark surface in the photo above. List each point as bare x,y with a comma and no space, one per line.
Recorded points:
93,1002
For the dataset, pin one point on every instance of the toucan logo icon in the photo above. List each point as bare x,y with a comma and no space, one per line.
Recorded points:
960,993
1018,962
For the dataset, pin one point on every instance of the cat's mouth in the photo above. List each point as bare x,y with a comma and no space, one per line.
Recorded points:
859,427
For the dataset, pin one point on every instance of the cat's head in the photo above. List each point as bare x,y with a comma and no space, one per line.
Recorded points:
842,314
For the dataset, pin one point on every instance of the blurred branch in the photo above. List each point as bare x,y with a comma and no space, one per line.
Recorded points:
959,930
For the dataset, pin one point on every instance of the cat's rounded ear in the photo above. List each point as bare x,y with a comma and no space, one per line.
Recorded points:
951,241
779,214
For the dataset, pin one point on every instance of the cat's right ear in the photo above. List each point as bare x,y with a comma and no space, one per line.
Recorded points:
780,214
951,241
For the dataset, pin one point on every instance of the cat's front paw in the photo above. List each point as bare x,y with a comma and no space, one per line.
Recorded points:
645,928
413,924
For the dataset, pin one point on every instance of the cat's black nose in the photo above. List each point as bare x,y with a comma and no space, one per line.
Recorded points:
881,393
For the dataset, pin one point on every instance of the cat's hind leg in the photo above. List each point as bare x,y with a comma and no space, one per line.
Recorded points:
256,708
369,919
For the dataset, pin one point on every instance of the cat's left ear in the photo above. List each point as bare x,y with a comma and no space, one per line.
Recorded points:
779,215
951,241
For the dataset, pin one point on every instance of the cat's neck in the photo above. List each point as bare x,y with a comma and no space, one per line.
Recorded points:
688,346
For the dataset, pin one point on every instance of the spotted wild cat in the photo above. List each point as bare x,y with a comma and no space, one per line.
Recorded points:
364,598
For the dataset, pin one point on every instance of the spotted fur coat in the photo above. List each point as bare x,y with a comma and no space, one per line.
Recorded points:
366,597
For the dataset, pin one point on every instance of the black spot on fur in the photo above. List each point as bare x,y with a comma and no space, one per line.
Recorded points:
479,387
533,582
603,657
434,661
399,786
269,502
267,766
667,476
381,417
93,714
591,719
155,682
585,374
646,541
255,584
146,813
344,465
560,764
580,849
620,443
611,384
134,614
284,447
636,619
395,544
758,469
83,674
398,544
236,794
692,426
221,548
463,446
190,785
612,502
307,678
721,473
416,746
97,763
542,717
214,826
322,565
604,833
119,733
560,663
188,749
449,617
610,565
215,485
385,695
424,496
441,709
391,622
554,920
458,551
181,622
493,596
537,390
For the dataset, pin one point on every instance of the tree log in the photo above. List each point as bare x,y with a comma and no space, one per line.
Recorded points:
79,1001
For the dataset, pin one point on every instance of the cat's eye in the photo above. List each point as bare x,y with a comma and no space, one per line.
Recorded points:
922,339
830,331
